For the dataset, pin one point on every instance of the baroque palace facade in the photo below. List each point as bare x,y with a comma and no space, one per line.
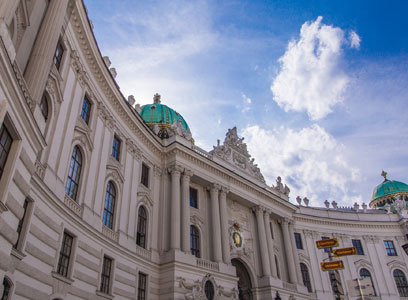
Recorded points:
103,199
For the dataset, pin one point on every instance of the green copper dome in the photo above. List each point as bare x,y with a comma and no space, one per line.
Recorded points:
160,114
387,191
163,119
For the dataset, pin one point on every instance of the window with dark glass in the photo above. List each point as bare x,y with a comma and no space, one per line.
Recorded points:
86,110
194,241
193,198
65,255
209,290
116,148
326,250
108,211
5,145
142,287
44,107
141,227
106,275
298,240
364,273
59,52
359,247
6,289
277,267
21,223
74,173
389,248
401,282
305,276
271,226
145,175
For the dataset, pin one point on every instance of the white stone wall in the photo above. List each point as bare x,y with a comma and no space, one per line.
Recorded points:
38,165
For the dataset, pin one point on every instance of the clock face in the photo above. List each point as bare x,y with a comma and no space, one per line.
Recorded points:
237,239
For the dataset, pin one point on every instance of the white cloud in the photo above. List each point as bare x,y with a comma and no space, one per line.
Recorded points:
309,160
355,40
246,103
311,77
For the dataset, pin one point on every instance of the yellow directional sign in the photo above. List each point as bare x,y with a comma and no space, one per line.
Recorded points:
344,251
327,243
332,265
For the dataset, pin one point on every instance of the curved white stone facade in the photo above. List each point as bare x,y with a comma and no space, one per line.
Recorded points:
232,197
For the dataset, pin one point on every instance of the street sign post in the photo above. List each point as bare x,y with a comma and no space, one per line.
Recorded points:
332,265
360,287
344,251
327,243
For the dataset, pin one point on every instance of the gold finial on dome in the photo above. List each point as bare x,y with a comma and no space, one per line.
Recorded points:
156,98
384,174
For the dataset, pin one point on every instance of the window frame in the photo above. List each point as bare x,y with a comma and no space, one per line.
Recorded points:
65,259
86,110
298,241
307,281
141,229
390,248
367,275
193,201
108,217
23,224
105,286
116,147
5,147
209,290
195,241
45,100
145,173
57,59
359,246
142,281
75,181
402,289
9,290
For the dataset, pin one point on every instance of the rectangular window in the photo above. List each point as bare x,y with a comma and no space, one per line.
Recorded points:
271,226
193,198
116,147
145,175
389,248
298,239
86,110
59,52
326,250
5,145
21,223
106,275
359,247
142,287
65,255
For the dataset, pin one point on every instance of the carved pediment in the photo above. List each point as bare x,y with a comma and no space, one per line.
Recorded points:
145,197
235,151
115,171
82,133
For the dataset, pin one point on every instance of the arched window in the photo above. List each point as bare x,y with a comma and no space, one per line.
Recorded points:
44,107
401,282
109,205
74,173
364,273
209,290
195,241
306,277
6,289
141,227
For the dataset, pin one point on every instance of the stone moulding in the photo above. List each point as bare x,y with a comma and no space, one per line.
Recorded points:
109,233
143,252
72,205
210,265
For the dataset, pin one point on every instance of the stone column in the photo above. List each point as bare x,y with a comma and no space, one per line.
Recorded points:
266,267
216,226
295,254
226,255
175,207
185,211
41,58
270,243
288,250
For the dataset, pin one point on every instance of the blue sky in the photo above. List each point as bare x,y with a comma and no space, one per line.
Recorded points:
319,89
